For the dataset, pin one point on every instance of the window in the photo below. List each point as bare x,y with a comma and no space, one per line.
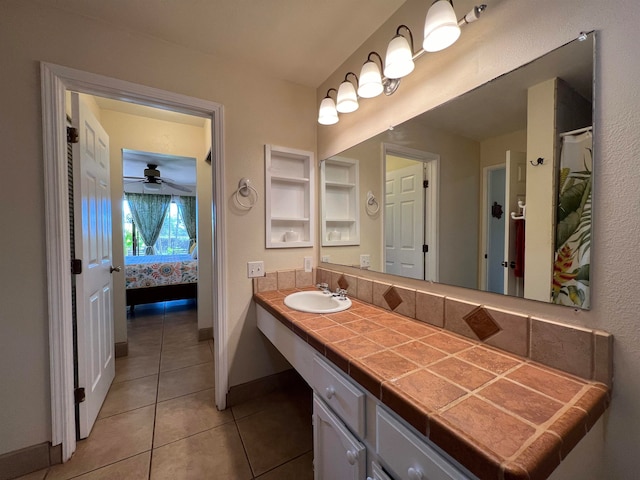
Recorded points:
173,239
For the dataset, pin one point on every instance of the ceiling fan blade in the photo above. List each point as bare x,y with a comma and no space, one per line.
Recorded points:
134,178
182,188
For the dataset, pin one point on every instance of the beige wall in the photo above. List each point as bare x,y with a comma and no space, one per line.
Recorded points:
257,110
511,34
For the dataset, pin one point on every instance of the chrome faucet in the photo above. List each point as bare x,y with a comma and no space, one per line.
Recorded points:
341,293
324,287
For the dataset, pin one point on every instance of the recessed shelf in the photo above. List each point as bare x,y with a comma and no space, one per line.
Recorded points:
339,185
289,179
340,208
289,193
289,219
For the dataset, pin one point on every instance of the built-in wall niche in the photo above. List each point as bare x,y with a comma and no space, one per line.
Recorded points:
339,186
289,192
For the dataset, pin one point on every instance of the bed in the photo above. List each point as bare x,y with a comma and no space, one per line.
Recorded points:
158,278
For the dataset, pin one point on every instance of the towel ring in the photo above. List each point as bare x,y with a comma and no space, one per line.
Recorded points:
245,189
372,206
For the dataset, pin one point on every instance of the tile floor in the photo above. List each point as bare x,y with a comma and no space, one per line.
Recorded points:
159,420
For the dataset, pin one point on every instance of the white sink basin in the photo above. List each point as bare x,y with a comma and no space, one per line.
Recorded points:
316,302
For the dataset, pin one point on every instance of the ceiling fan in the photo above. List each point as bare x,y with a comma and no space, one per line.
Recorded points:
153,181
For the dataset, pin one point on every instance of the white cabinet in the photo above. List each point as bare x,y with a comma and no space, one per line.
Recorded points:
407,456
337,453
289,192
377,473
339,194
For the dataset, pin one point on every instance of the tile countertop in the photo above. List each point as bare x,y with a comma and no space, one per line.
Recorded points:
499,415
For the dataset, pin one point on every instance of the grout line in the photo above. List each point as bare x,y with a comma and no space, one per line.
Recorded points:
155,406
244,447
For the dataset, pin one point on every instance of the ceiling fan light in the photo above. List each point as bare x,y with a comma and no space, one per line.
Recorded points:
399,58
152,186
370,84
328,115
441,28
347,100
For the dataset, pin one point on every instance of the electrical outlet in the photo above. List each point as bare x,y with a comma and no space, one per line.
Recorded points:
365,261
307,264
325,259
255,269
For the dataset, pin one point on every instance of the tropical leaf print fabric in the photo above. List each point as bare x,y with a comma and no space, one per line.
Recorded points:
573,231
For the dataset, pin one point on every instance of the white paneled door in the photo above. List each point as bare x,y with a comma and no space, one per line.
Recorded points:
94,292
404,221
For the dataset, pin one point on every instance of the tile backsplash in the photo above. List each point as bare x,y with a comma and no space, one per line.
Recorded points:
579,351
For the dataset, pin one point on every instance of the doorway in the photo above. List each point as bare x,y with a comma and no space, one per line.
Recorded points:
494,225
56,80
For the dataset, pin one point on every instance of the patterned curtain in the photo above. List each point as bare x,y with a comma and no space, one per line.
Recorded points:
148,212
573,231
188,212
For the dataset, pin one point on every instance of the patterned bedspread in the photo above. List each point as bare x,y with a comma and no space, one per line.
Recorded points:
154,270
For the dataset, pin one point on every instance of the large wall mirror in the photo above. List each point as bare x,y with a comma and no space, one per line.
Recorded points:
489,191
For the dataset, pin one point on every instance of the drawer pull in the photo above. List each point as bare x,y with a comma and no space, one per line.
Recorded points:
352,457
330,391
415,474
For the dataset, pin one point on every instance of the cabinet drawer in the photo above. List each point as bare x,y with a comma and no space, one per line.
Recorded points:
408,456
340,394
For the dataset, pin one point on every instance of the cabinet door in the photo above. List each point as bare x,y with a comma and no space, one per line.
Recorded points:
337,454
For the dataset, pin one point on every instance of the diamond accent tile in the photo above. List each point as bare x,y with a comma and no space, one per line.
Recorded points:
482,323
392,297
342,282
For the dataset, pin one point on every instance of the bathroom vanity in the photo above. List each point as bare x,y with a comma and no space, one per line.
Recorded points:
422,403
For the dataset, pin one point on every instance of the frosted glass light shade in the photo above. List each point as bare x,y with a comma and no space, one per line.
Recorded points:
370,84
441,28
328,114
152,187
399,59
347,100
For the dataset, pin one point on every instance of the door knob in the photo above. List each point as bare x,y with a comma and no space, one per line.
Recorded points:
114,269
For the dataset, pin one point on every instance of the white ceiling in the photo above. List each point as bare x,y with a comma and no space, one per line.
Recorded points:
302,41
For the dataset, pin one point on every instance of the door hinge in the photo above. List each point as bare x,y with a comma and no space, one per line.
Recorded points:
425,183
79,395
72,135
76,266
425,248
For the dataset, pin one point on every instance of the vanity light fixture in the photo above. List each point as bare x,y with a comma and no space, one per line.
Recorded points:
399,59
441,30
347,99
328,114
370,84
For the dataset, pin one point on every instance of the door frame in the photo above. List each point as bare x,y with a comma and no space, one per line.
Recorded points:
432,220
55,80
